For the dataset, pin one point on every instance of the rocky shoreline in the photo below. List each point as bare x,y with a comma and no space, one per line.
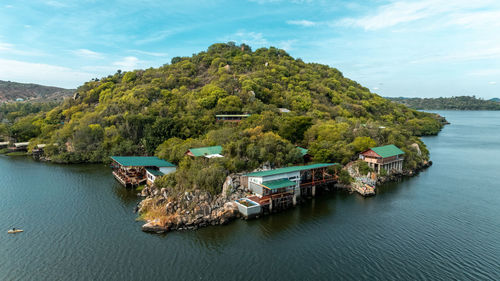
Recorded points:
165,211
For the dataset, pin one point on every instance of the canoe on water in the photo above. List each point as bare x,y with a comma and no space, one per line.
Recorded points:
11,231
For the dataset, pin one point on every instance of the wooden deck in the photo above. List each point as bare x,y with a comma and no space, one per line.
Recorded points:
129,181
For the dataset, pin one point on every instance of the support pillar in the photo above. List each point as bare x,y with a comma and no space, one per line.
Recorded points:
294,200
313,191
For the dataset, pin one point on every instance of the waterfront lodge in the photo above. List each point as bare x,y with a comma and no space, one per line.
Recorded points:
132,171
388,157
281,188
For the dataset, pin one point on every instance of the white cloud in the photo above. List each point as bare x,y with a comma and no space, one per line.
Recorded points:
476,19
44,74
399,12
476,53
249,38
6,47
85,53
153,54
286,45
278,1
127,63
305,23
56,4
492,82
12,49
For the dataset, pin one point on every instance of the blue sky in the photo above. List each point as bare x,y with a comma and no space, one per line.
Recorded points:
426,48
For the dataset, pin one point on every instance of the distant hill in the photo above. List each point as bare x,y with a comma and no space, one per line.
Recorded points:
495,99
453,103
10,91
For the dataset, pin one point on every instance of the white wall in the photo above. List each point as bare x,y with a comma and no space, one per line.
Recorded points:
292,176
167,170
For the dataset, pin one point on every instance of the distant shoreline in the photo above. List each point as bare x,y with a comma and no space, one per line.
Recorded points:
462,103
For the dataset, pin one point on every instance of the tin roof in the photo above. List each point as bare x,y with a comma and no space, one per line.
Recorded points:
289,169
275,184
304,151
155,173
204,151
387,150
141,161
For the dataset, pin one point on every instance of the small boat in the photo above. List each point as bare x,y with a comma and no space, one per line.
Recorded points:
12,231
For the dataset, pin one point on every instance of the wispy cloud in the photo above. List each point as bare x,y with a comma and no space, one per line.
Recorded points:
305,23
12,49
399,12
492,82
278,1
85,53
160,35
250,38
56,4
41,73
153,54
287,45
127,63
464,55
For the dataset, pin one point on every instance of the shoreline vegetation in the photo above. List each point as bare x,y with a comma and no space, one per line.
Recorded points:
452,103
165,111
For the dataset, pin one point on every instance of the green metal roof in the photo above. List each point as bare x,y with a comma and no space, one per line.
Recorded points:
155,173
303,150
387,150
278,183
141,161
289,169
202,151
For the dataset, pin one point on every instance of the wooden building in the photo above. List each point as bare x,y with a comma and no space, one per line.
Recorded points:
388,157
231,117
280,188
207,152
132,171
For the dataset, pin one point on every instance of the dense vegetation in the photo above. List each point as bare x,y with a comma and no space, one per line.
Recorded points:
453,103
165,111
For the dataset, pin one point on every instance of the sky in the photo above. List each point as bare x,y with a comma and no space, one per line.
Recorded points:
427,48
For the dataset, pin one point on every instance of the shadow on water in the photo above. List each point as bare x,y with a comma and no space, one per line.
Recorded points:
125,195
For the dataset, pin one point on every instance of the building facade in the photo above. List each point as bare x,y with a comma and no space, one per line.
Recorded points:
388,157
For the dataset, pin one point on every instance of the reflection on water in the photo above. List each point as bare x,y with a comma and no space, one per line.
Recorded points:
443,224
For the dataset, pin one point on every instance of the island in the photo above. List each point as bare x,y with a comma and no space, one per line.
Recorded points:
228,131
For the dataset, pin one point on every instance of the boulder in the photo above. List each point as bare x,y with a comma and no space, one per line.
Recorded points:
417,148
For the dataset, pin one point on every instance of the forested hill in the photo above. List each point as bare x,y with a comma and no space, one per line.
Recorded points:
166,110
10,91
453,103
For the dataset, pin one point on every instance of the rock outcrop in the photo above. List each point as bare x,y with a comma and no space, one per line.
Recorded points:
164,211
362,184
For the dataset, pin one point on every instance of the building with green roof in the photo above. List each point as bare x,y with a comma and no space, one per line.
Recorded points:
208,151
132,171
388,157
289,180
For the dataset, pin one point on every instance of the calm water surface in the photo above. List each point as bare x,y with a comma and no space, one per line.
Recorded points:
443,224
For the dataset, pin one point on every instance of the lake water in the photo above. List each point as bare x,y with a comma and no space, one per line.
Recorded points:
443,224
